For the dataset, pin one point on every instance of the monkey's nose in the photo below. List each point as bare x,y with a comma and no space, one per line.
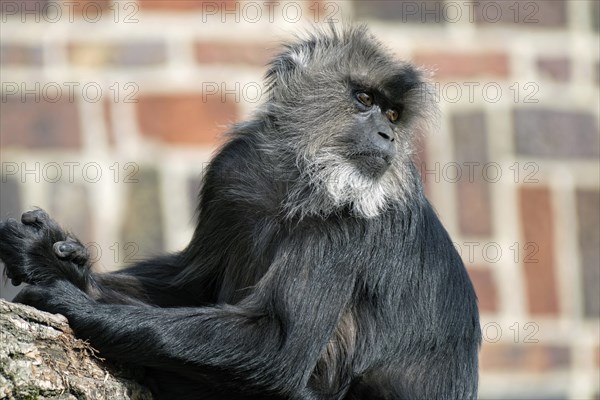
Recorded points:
385,136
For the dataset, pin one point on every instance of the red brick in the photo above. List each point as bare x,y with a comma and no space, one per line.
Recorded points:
485,287
558,69
185,118
528,357
233,53
447,64
537,218
44,124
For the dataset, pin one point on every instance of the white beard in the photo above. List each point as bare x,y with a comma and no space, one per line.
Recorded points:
345,185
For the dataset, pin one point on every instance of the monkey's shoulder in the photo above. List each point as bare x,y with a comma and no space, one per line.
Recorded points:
239,173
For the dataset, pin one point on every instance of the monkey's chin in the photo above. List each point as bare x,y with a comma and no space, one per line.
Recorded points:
371,165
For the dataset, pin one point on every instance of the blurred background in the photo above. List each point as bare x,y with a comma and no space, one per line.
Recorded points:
111,109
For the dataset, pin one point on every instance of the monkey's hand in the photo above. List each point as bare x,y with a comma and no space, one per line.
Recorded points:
38,251
58,297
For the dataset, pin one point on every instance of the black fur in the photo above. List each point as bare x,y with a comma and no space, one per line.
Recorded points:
313,273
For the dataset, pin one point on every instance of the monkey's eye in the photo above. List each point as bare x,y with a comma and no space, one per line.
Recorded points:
365,98
392,115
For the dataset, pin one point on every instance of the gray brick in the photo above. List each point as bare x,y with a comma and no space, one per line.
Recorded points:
470,146
588,213
10,206
558,69
194,184
10,198
142,226
424,11
39,124
140,53
69,205
560,134
595,10
14,54
528,13
126,54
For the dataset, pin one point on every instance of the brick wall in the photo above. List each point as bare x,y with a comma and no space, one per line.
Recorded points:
110,109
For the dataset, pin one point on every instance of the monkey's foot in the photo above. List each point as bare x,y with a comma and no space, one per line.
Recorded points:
37,250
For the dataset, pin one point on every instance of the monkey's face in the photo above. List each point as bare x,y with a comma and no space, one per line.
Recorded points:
345,111
373,132
383,98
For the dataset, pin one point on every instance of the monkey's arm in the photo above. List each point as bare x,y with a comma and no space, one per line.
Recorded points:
149,282
272,339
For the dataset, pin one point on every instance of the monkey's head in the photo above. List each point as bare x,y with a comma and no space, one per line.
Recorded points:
344,112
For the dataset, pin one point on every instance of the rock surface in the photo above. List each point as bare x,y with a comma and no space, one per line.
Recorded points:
41,359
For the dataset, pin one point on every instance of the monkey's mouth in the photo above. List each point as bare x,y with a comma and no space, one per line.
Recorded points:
373,164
